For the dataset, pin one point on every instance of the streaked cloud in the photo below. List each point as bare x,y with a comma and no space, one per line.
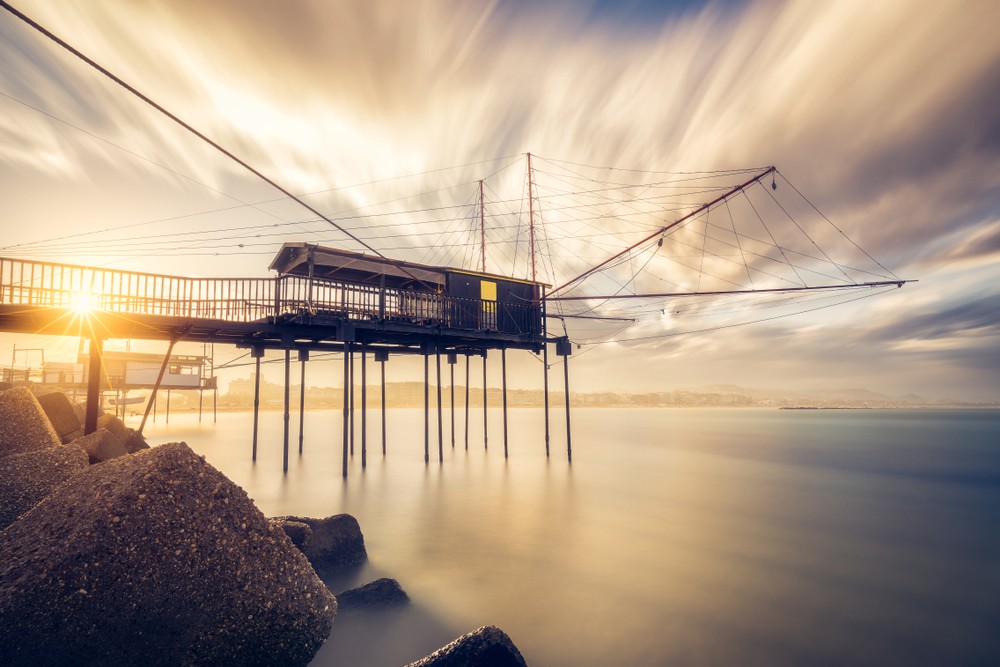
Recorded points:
885,114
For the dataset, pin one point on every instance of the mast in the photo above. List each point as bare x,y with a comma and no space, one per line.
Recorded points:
482,222
531,220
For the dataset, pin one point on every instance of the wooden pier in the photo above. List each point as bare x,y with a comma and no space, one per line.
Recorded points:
321,299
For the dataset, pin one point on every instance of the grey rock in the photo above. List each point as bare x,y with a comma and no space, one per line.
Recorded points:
101,446
115,427
489,646
24,427
378,595
336,542
81,411
156,559
136,441
299,533
26,478
60,412
70,437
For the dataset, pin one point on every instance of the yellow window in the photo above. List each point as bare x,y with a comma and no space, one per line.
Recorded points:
488,291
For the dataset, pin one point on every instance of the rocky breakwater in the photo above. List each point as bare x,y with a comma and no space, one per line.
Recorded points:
156,559
489,646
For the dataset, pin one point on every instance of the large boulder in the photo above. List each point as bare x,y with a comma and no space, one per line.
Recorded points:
299,533
489,646
115,427
378,595
156,559
24,427
336,542
60,412
101,446
136,441
26,478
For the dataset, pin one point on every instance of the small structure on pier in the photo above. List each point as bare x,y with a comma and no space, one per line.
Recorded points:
438,301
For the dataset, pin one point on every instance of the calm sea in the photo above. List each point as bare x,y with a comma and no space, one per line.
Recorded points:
675,537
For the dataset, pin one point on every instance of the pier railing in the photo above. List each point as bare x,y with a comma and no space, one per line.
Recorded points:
52,285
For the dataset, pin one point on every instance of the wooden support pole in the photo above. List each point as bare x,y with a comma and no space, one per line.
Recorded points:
303,358
440,416
545,363
452,359
486,430
95,378
382,362
159,378
215,390
569,439
284,451
364,409
350,355
168,406
466,402
256,398
503,365
427,408
346,378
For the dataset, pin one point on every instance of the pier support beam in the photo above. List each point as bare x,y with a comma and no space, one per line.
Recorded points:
466,402
284,451
364,409
503,366
350,356
564,348
168,406
452,360
303,358
95,378
486,430
256,352
382,356
545,362
437,354
346,378
427,409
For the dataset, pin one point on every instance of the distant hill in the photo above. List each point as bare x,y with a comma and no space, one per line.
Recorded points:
846,395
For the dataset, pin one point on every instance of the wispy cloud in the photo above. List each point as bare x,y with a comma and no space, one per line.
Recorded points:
885,114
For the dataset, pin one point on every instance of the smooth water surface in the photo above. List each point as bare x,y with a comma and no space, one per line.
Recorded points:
675,537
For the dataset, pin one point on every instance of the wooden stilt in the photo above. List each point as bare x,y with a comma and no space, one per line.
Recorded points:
350,355
364,409
440,420
95,378
545,363
284,451
452,359
427,408
382,362
346,404
503,365
569,439
467,401
257,353
486,430
303,358
168,406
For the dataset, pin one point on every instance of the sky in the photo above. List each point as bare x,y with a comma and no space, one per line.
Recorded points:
884,115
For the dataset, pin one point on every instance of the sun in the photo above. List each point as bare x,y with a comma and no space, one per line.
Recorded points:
82,302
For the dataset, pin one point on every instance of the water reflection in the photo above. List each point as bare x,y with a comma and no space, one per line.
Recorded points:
688,537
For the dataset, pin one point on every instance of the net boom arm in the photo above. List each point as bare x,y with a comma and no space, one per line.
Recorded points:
885,283
690,215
